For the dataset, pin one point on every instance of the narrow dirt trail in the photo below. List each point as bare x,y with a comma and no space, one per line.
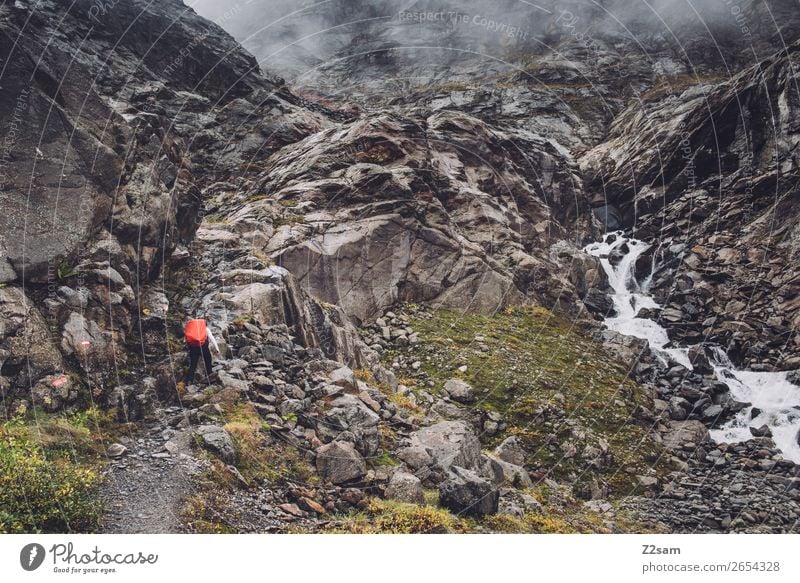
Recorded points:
145,488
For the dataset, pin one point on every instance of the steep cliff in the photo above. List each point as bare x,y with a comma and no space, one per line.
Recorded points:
390,249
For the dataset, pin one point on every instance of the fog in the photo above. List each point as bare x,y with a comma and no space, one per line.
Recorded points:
294,38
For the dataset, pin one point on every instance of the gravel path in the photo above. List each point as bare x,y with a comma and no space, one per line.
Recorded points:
145,487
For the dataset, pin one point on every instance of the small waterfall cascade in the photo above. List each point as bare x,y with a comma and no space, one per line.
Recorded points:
775,401
618,256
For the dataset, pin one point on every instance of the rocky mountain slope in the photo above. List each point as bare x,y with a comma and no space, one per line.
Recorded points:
412,335
712,175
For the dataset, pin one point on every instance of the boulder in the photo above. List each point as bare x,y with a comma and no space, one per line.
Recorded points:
415,457
464,492
460,391
54,392
86,341
230,382
116,450
339,462
449,443
215,439
405,487
510,451
154,308
345,378
700,361
647,481
350,413
628,349
712,412
598,302
681,432
512,474
763,431
27,352
129,403
490,469
609,216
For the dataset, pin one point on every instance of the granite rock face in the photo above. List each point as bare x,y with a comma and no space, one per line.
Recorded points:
104,162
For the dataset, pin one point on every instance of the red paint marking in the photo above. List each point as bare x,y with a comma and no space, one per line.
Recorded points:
59,381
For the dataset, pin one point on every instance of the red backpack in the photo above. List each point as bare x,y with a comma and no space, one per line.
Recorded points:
195,333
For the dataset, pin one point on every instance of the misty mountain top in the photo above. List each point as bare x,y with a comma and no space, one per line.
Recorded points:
349,46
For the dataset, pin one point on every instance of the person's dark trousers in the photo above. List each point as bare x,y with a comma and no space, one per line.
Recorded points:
194,357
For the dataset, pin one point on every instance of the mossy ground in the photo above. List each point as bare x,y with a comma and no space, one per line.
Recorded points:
262,459
50,472
551,383
391,517
561,514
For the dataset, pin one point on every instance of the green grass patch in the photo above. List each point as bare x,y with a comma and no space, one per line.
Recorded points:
261,459
49,474
562,513
550,382
391,517
385,459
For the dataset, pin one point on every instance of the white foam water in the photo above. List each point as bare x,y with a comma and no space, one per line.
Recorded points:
776,399
629,297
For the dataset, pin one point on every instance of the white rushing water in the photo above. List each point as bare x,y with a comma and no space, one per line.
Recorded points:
775,401
629,296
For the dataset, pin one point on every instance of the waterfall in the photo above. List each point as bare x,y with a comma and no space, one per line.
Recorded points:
629,298
775,401
776,404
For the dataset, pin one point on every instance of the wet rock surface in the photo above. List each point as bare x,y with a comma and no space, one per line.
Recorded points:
307,233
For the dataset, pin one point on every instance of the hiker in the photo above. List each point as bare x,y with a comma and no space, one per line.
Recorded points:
198,337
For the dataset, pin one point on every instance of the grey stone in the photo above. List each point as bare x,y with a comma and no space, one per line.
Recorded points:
490,469
712,412
339,462
54,392
116,450
215,439
647,481
513,474
510,451
464,492
345,378
415,457
230,382
449,443
129,404
460,391
763,431
350,413
7,273
83,338
28,350
405,487
682,432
